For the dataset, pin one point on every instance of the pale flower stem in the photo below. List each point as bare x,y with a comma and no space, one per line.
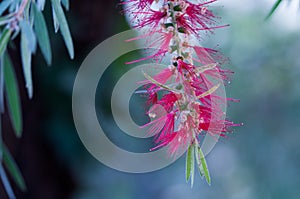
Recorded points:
175,32
22,8
14,18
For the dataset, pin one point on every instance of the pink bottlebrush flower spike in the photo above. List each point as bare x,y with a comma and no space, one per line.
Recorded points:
192,105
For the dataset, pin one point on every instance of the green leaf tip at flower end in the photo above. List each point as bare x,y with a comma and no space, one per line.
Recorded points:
202,165
195,152
190,165
274,8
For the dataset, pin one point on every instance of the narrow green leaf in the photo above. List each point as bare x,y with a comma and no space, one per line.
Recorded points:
3,20
202,69
1,91
31,17
4,5
192,166
42,35
159,84
13,6
66,4
15,34
1,139
203,166
41,4
189,172
64,28
55,21
6,184
27,31
13,169
200,168
273,9
27,13
26,62
4,38
210,91
12,96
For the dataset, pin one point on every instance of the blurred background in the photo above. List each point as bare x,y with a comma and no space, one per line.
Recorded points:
259,160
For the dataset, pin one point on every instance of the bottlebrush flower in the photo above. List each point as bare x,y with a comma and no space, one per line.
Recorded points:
151,18
155,39
136,4
188,86
200,16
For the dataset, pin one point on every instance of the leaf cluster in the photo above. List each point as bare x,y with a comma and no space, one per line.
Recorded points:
24,19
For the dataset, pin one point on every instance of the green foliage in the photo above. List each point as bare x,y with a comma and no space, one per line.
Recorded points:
202,165
190,167
66,4
273,9
13,168
5,36
195,152
63,25
4,5
12,95
24,18
28,44
43,36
